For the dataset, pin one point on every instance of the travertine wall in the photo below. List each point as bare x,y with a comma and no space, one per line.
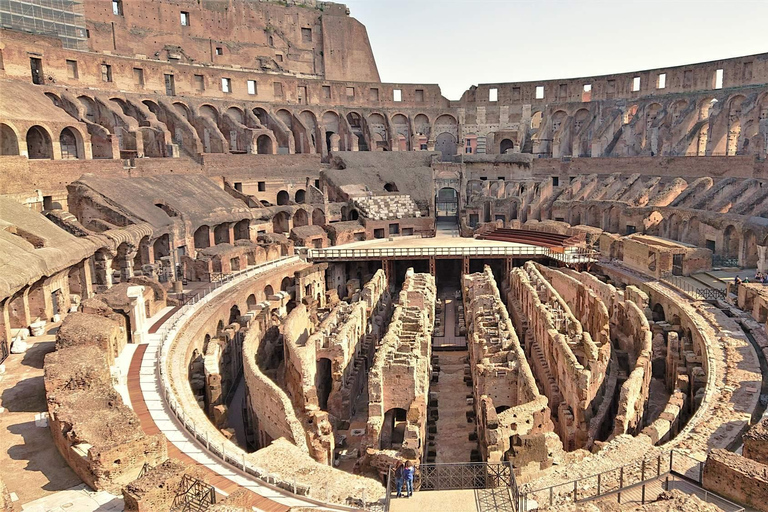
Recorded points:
401,371
566,361
513,418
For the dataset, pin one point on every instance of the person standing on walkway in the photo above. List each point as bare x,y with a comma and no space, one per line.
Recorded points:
408,476
399,474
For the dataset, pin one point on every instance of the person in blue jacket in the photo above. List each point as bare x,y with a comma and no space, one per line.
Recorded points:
408,477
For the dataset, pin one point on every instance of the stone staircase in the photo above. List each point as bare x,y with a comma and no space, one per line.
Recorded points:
387,207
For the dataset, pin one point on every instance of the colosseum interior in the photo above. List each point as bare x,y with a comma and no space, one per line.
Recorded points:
239,272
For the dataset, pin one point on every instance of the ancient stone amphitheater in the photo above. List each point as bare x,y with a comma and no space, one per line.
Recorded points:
239,272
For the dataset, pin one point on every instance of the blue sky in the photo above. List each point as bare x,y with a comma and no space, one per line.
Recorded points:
458,43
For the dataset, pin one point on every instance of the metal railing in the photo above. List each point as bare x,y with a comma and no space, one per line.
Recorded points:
224,450
695,292
571,255
193,495
465,475
723,261
635,482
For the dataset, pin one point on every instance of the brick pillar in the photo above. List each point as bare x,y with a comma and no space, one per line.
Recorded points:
103,268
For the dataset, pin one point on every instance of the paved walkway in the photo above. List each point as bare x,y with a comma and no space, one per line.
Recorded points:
453,430
149,405
451,339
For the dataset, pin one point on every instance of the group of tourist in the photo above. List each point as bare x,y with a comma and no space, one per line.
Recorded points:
404,475
760,278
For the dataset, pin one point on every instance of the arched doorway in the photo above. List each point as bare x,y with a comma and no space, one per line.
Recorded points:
69,145
506,145
264,145
391,187
202,237
300,196
234,314
447,204
9,143
318,217
445,143
300,218
281,223
283,198
39,144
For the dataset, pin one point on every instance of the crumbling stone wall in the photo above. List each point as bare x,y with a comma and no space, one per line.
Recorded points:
737,478
80,329
513,418
271,408
347,338
630,333
99,437
400,375
756,442
566,361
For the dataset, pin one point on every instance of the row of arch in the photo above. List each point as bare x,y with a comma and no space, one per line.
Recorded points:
38,140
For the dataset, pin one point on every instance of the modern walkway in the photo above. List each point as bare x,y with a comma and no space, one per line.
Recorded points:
145,396
451,338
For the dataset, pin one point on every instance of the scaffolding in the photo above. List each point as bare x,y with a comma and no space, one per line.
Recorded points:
64,19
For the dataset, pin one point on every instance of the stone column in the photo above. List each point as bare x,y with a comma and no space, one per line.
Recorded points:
126,266
103,268
762,255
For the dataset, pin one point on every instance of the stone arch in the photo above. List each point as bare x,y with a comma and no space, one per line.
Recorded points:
731,242
673,227
594,216
71,143
9,140
630,114
377,125
331,128
202,237
445,143
505,146
300,218
691,233
265,145
268,292
399,123
39,144
391,187
536,119
237,114
251,302
183,110
421,125
242,229
658,313
300,197
750,249
310,121
318,217
281,222
207,110
677,108
283,198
